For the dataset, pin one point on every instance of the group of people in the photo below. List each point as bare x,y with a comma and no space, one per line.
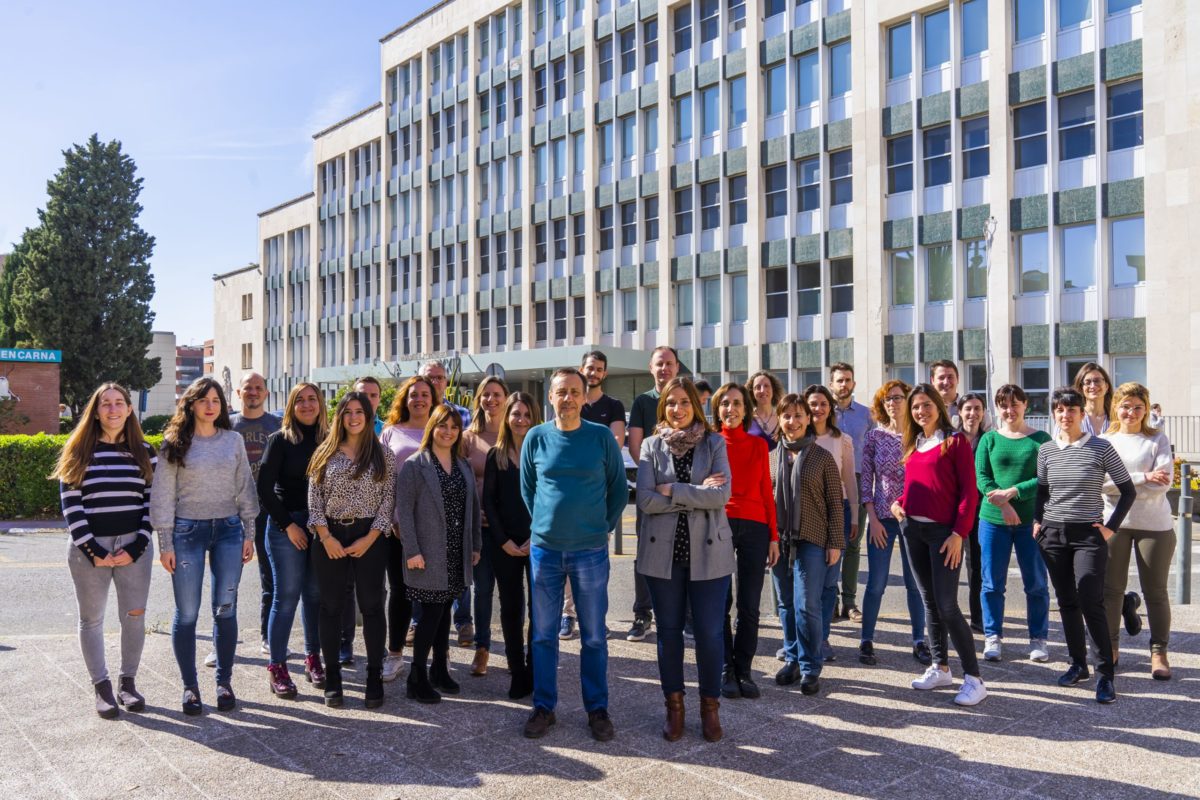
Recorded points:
397,521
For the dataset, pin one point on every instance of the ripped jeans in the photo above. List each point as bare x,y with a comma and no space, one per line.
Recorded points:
221,540
92,583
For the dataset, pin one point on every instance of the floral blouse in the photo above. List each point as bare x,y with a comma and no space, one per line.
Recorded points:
882,477
341,496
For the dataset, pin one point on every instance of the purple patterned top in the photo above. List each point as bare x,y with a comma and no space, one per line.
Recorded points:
882,477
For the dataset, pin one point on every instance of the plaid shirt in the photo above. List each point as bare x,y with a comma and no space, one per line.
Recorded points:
817,515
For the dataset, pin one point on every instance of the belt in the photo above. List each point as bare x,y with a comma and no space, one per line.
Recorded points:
345,522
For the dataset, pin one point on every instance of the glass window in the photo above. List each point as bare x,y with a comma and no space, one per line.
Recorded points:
578,234
775,283
650,130
1033,262
650,41
1035,380
1128,369
606,60
539,246
937,156
903,277
539,321
580,317
974,27
683,119
1029,134
710,110
839,69
1030,18
737,288
841,189
606,313
976,160
1073,12
628,53
683,29
808,191
900,51
899,163
711,296
773,7
629,315
628,137
629,224
841,285
683,211
975,268
776,191
709,20
539,88
1076,125
737,200
808,286
710,206
808,79
1115,6
651,308
605,137
605,219
1127,249
650,222
683,303
560,79
939,274
776,90
737,102
560,239
937,38
1125,115
1078,256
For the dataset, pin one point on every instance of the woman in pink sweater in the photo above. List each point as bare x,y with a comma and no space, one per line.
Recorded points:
936,512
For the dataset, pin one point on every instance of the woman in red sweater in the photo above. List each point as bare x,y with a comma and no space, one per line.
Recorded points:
936,512
751,512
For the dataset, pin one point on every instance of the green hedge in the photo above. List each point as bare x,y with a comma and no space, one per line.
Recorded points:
25,461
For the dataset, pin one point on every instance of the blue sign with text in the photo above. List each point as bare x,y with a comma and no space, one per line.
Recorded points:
31,356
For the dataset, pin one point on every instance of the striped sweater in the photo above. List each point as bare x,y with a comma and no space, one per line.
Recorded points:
112,500
1071,478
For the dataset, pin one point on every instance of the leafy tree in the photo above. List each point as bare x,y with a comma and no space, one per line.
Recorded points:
387,393
11,420
83,285
8,316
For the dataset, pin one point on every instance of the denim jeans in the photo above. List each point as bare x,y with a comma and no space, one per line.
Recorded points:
295,584
751,545
484,575
221,541
829,596
879,566
671,598
810,583
587,570
784,583
266,574
996,545
92,583
939,590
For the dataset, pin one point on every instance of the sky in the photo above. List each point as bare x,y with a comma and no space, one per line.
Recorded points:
216,103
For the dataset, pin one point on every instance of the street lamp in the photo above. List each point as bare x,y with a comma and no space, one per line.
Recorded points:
989,232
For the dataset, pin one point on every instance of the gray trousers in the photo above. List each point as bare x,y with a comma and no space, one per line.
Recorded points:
1154,551
91,595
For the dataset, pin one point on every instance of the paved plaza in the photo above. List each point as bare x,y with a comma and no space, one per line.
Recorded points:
866,735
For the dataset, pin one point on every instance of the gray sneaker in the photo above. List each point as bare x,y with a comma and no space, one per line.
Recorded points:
210,660
637,631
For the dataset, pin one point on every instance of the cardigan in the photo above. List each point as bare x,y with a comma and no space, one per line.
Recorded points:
753,495
421,522
113,499
820,520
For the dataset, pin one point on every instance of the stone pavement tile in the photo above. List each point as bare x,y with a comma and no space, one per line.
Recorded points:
543,783
936,782
660,781
464,762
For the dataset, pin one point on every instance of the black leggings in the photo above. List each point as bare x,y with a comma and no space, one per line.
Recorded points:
939,589
399,607
512,576
332,575
433,631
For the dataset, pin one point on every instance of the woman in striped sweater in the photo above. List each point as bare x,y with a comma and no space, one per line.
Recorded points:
104,474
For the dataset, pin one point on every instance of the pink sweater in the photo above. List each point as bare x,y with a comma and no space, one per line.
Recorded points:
941,486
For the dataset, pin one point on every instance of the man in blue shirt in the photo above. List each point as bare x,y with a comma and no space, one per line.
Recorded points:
854,419
573,482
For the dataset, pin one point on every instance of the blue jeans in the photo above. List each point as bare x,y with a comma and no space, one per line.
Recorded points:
996,545
588,572
485,587
221,541
879,566
829,595
671,598
810,584
295,583
784,582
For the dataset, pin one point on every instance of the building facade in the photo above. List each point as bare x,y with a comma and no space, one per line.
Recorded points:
161,398
189,365
776,184
238,331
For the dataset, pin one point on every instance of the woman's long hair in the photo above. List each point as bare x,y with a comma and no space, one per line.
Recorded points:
81,444
831,420
776,389
177,438
399,411
1082,372
478,423
443,412
505,441
369,454
690,389
1136,390
291,425
879,406
911,430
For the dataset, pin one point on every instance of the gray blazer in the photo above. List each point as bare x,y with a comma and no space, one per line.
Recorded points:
421,519
711,537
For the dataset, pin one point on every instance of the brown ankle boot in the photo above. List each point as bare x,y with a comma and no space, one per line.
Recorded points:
1160,668
479,666
710,719
673,728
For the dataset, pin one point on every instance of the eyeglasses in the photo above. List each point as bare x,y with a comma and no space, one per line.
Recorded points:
893,398
1094,381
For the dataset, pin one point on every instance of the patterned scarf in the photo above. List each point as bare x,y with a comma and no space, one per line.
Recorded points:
787,489
681,440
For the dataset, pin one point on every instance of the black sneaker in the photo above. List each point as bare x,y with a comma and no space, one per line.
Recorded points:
1129,610
1105,691
729,684
539,723
748,687
788,674
921,653
601,725
225,699
1074,674
866,654
637,631
191,701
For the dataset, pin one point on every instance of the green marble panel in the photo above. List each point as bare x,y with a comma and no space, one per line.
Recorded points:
1122,198
499,297
806,249
515,218
937,345
541,132
897,119
500,222
606,280
1031,341
840,350
514,139
839,243
737,259
627,277
808,355
933,110
1026,86
604,195
604,26
709,264
837,27
773,50
735,64
541,54
1028,213
650,273
806,143
627,189
558,127
558,288
1125,336
627,102
647,9
838,135
499,149
626,16
541,212
558,207
681,82
806,38
514,295
577,121
774,254
683,268
604,110
900,348
735,161
1074,205
649,184
973,343
483,300
708,73
972,221
558,47
483,227
973,100
935,228
648,96
777,355
1076,339
681,175
541,291
578,285
577,38
737,358
710,360
708,168
1121,61
578,202
1074,73
773,151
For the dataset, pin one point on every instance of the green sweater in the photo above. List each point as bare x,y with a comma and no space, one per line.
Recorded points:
1001,463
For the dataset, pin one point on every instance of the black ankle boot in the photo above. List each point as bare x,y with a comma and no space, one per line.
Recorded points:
106,704
419,688
439,676
333,685
127,695
521,685
374,693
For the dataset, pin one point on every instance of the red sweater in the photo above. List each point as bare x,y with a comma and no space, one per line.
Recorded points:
753,497
941,486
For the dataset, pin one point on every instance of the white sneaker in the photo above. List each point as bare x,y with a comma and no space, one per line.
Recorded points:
1038,651
991,648
971,693
391,666
265,648
934,678
210,660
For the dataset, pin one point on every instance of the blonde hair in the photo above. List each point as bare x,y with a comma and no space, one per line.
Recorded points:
291,426
1136,391
504,439
77,453
478,423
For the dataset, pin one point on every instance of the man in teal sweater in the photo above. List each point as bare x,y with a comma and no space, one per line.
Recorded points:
573,481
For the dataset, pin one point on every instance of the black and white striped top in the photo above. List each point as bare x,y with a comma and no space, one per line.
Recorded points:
1071,477
112,500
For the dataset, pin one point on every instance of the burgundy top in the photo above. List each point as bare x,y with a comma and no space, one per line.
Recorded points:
941,486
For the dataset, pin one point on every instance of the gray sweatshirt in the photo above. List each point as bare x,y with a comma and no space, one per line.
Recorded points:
214,482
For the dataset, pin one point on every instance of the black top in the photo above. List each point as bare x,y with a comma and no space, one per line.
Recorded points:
283,475
508,517
682,553
604,411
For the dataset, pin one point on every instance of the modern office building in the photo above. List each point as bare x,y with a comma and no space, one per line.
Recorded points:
189,365
775,184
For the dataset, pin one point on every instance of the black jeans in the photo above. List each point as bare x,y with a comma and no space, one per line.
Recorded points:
399,607
1077,558
266,578
751,544
332,575
433,631
643,607
973,563
939,590
512,576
